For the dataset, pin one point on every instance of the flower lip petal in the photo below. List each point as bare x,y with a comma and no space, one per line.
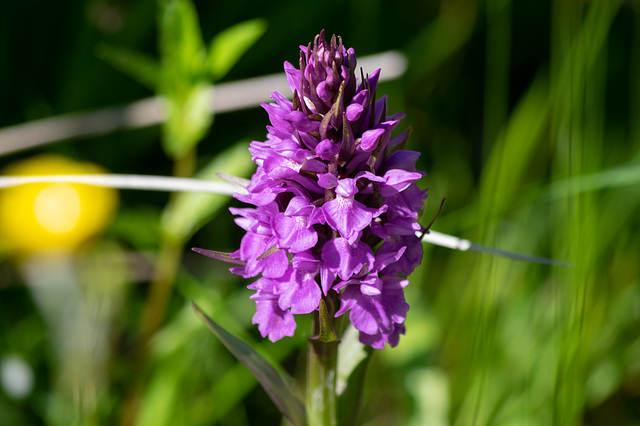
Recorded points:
273,321
369,290
293,233
370,176
397,180
305,261
299,292
347,216
299,206
327,180
347,188
364,318
346,259
385,258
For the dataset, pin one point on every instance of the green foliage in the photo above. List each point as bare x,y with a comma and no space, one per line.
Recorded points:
138,66
326,333
228,47
525,116
290,406
186,69
182,50
191,210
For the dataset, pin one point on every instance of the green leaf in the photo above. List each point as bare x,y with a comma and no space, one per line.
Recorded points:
352,367
181,45
228,46
136,65
191,210
189,117
615,177
159,400
326,333
220,255
288,404
430,390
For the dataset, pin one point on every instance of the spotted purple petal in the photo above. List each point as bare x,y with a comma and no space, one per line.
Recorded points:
273,321
347,259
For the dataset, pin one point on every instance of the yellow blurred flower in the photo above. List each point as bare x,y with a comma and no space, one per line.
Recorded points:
53,215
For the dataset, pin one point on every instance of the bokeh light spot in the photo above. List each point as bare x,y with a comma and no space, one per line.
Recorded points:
53,216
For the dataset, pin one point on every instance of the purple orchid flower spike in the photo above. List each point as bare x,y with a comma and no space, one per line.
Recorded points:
335,203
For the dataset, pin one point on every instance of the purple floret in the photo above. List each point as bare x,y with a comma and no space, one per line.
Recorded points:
335,202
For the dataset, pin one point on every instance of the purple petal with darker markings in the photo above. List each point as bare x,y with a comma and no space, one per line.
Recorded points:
273,321
293,233
347,216
346,259
299,291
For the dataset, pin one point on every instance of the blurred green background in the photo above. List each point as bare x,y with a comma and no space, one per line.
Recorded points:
527,115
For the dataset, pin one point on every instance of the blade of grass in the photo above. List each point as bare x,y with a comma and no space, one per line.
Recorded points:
290,406
229,45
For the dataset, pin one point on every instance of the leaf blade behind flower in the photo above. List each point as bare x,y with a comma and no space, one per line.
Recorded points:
272,382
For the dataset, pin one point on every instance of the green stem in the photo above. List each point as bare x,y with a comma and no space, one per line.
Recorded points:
321,377
168,262
166,268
